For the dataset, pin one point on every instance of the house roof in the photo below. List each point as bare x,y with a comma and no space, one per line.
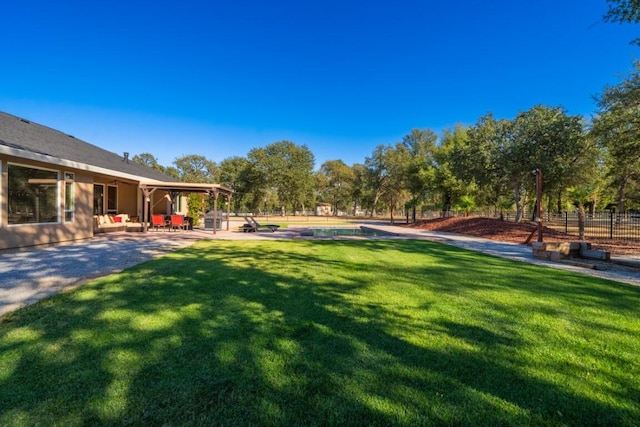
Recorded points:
25,139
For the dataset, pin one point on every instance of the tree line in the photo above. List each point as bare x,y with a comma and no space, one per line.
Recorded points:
585,163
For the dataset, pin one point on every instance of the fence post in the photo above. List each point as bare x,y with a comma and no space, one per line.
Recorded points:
566,222
611,224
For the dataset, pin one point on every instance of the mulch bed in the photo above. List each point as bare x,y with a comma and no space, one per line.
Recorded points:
508,231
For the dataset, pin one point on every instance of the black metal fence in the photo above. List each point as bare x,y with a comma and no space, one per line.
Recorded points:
605,225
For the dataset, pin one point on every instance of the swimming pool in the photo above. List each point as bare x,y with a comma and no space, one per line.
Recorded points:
344,231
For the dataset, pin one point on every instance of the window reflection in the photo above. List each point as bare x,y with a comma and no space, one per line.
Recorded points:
33,195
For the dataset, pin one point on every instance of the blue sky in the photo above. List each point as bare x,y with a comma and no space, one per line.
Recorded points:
219,78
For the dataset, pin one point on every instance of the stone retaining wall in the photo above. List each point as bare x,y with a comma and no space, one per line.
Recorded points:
557,251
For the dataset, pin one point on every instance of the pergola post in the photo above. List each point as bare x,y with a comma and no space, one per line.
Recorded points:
228,209
215,210
146,193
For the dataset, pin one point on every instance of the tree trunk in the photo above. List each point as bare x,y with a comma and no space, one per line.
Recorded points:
622,188
518,200
375,202
446,204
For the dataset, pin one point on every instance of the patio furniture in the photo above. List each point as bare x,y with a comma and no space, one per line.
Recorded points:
106,224
253,225
158,221
177,221
248,228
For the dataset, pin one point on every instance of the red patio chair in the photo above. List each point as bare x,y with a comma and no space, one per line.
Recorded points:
158,221
177,221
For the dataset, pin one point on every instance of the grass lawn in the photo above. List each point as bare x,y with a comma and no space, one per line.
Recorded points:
284,333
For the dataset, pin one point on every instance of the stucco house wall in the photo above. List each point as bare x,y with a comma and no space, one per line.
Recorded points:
20,235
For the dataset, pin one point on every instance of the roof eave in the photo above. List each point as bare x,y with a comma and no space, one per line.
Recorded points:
37,157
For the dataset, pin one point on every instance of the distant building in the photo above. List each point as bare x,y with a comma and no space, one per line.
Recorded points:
324,209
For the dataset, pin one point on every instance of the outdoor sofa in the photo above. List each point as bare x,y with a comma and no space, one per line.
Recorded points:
110,223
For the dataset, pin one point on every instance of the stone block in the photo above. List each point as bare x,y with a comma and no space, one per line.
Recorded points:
585,246
557,251
593,254
557,255
564,249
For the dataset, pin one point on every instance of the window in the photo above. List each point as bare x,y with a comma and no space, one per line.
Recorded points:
112,200
69,196
33,195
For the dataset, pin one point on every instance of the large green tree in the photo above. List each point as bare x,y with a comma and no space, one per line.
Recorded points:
236,173
196,168
361,192
420,146
616,129
387,176
480,161
149,160
554,142
544,138
476,163
337,180
397,159
286,168
448,181
376,175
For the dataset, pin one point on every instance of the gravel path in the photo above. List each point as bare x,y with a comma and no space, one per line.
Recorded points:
35,273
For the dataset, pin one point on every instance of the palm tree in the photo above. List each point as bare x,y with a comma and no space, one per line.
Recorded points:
466,204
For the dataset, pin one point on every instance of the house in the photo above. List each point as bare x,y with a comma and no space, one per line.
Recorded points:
54,187
324,209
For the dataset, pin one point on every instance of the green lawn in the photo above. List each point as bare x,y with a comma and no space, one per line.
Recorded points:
377,332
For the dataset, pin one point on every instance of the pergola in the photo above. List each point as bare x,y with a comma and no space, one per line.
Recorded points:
175,188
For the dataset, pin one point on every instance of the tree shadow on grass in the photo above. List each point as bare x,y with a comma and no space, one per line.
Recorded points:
222,334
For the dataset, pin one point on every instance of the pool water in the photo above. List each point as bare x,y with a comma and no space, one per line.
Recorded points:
345,231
